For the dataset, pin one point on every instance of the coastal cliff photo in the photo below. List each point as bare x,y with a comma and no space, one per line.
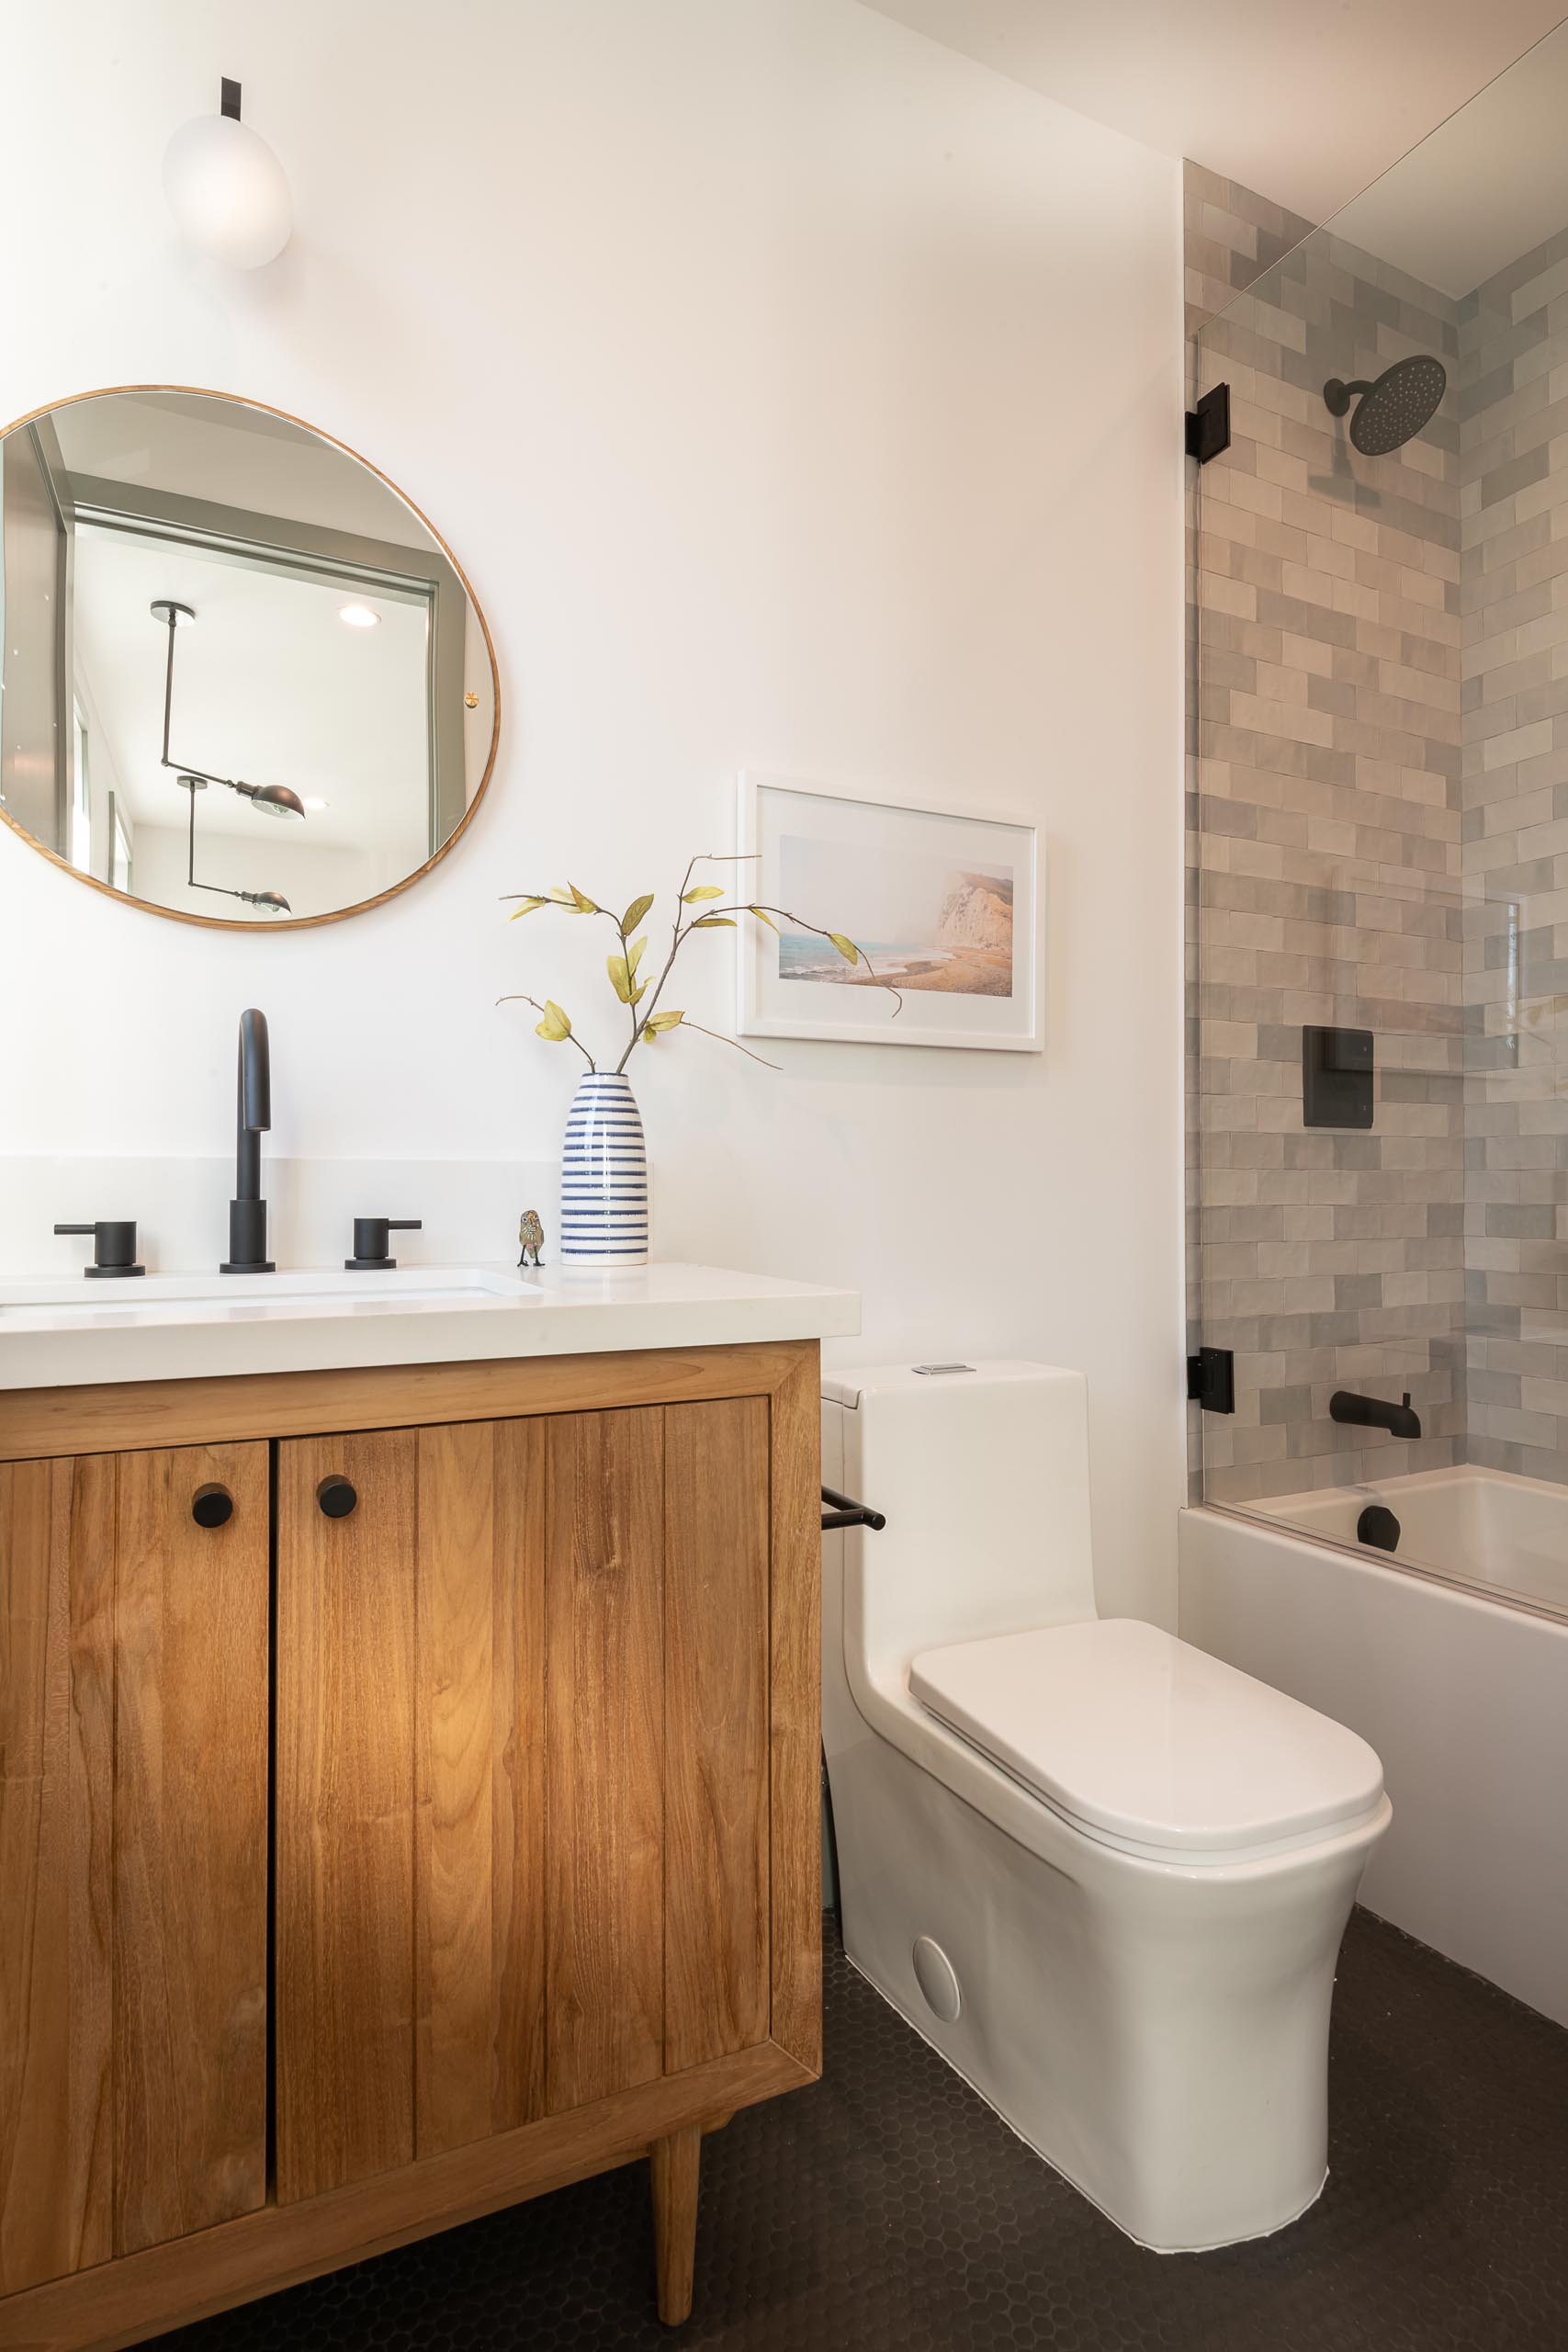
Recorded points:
908,923
921,922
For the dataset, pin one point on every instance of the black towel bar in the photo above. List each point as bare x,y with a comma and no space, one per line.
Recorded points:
845,1514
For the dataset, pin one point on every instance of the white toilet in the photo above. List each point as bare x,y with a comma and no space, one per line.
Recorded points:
1104,1875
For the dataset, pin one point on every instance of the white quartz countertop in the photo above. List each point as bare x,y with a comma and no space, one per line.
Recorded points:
172,1327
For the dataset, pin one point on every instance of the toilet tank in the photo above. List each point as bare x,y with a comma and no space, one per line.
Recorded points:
983,1474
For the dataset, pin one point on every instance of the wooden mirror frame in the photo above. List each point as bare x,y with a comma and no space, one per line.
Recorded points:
361,906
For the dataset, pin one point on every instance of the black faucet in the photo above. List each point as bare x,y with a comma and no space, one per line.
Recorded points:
1371,1413
247,1210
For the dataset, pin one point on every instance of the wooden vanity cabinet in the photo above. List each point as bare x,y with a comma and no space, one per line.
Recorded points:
133,1854
541,1678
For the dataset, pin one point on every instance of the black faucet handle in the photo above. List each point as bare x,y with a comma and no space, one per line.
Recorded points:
371,1241
114,1248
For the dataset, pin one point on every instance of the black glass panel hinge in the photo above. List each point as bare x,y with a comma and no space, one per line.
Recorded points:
1209,425
1210,1380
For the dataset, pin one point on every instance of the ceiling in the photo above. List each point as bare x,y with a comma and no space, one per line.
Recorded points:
1306,104
1490,184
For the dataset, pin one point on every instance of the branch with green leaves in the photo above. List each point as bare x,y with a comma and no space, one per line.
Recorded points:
641,995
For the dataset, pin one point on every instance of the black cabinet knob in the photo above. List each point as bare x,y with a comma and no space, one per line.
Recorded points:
336,1497
212,1506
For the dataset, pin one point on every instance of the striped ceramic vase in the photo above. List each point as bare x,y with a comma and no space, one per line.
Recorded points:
604,1177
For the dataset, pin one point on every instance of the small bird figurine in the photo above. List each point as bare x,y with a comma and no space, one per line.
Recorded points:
530,1234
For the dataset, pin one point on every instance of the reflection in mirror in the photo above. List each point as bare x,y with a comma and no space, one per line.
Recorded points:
243,679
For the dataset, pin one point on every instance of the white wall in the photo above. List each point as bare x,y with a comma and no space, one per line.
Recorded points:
797,394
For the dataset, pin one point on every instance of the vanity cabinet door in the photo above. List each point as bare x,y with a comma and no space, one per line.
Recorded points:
133,1826
409,1839
656,1677
522,1766
343,1900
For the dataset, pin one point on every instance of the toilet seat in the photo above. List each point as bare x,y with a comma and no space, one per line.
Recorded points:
1143,1743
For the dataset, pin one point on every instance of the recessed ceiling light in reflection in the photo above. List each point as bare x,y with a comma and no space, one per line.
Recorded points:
359,616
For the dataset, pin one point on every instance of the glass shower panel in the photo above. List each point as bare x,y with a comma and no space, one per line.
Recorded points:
1379,885
1329,890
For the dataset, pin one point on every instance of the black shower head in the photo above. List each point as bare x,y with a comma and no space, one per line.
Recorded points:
1394,409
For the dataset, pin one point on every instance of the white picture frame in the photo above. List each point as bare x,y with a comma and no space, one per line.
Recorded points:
973,878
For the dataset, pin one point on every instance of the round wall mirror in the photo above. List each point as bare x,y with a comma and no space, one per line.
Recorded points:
245,681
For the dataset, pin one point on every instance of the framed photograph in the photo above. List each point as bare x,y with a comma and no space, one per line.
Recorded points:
947,905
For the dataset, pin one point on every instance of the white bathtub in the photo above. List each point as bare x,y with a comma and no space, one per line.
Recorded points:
1452,1658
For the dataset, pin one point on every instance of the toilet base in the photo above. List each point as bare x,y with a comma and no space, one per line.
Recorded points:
918,2029
1158,2034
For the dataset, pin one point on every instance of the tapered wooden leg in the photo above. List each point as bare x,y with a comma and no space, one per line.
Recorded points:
674,2164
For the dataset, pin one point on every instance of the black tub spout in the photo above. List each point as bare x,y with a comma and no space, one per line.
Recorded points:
1373,1413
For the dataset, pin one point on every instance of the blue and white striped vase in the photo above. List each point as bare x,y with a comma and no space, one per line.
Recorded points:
604,1177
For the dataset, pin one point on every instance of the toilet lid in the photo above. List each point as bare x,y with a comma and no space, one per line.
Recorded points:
1142,1740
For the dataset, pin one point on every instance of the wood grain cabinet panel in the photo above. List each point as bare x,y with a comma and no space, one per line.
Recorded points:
715,1729
794,1715
528,1642
480,1772
190,1844
411,1722
56,1790
133,1684
605,1648
345,1812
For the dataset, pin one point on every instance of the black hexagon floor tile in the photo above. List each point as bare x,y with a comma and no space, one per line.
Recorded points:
887,2210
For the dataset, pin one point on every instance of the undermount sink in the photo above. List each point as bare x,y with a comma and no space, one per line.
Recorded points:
180,1298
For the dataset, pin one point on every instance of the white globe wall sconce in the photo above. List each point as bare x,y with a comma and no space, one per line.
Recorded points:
226,188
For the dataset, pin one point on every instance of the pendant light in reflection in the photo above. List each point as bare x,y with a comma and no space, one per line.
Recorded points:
268,799
272,901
